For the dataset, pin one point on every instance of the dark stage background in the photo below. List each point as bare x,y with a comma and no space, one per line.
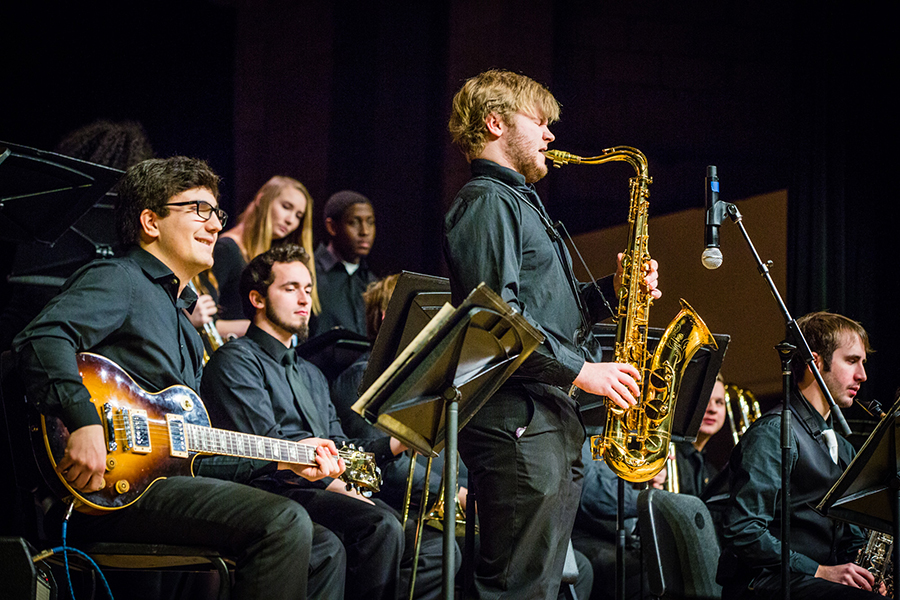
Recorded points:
356,95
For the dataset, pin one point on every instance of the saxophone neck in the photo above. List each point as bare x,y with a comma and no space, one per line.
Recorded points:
632,156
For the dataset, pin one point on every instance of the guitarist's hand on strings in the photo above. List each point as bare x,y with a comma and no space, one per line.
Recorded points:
84,462
329,464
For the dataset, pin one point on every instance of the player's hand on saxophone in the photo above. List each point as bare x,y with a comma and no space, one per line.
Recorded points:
651,280
616,381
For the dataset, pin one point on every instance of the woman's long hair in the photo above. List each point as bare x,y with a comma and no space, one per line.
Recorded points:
257,235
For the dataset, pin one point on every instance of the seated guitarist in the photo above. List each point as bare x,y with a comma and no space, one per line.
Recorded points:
257,384
129,310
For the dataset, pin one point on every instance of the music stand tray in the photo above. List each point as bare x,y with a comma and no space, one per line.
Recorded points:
466,352
866,492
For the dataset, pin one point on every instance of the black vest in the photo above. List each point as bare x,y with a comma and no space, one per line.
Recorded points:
822,539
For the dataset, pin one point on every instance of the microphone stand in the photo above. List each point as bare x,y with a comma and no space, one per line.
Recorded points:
794,343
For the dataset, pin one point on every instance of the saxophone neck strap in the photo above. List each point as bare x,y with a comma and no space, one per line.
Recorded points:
559,246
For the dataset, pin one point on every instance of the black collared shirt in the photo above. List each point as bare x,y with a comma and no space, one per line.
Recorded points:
496,232
340,293
245,387
126,309
695,470
752,521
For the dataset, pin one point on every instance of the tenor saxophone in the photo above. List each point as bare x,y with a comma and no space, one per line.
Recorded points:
635,441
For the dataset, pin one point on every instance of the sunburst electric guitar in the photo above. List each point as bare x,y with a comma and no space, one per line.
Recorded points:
153,436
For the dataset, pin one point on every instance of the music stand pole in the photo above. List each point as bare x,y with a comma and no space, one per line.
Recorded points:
452,397
620,540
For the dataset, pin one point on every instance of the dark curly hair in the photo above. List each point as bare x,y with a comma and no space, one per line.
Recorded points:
257,275
151,184
116,145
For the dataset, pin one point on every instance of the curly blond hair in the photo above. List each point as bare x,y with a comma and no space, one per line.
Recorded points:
496,91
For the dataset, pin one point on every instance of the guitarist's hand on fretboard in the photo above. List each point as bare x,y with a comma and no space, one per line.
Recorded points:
84,462
328,463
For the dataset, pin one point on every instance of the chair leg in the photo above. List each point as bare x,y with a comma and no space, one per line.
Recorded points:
224,578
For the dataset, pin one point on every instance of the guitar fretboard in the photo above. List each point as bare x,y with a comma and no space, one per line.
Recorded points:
231,443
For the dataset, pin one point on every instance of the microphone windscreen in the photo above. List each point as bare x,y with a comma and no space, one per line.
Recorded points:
711,258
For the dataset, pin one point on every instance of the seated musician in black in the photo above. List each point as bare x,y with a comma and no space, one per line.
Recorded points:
261,386
129,310
695,470
822,550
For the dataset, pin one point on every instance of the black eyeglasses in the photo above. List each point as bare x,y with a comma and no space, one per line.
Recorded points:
204,210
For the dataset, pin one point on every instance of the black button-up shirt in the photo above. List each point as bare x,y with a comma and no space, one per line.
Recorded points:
752,522
340,293
496,232
246,389
695,470
126,309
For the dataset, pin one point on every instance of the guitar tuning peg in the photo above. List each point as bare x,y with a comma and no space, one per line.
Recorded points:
361,449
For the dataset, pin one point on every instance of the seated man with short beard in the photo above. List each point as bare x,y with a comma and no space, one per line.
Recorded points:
257,384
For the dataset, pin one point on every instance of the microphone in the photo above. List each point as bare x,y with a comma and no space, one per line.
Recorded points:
715,212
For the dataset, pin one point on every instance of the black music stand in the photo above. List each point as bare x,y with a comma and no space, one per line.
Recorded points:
334,350
415,300
693,397
441,379
696,383
868,492
42,194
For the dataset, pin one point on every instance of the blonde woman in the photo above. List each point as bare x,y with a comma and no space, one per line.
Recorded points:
281,211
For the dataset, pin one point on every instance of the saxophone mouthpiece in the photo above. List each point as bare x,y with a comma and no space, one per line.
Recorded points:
560,157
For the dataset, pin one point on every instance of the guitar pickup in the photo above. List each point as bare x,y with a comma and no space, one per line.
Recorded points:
137,430
177,436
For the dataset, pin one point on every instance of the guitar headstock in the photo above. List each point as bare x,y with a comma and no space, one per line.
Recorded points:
361,474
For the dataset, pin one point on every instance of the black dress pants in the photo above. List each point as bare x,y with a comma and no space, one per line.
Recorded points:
270,537
523,452
371,535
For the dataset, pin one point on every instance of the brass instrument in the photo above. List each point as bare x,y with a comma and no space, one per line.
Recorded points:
875,557
209,328
435,516
747,407
672,484
635,443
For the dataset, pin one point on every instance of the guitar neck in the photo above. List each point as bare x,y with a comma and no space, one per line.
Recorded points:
208,440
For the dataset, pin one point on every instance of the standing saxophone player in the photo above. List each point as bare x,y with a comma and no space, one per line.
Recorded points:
523,447
822,550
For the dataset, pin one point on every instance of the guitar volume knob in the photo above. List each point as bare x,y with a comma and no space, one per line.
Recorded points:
122,486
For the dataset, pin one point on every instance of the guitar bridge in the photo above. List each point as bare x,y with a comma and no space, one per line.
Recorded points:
111,445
